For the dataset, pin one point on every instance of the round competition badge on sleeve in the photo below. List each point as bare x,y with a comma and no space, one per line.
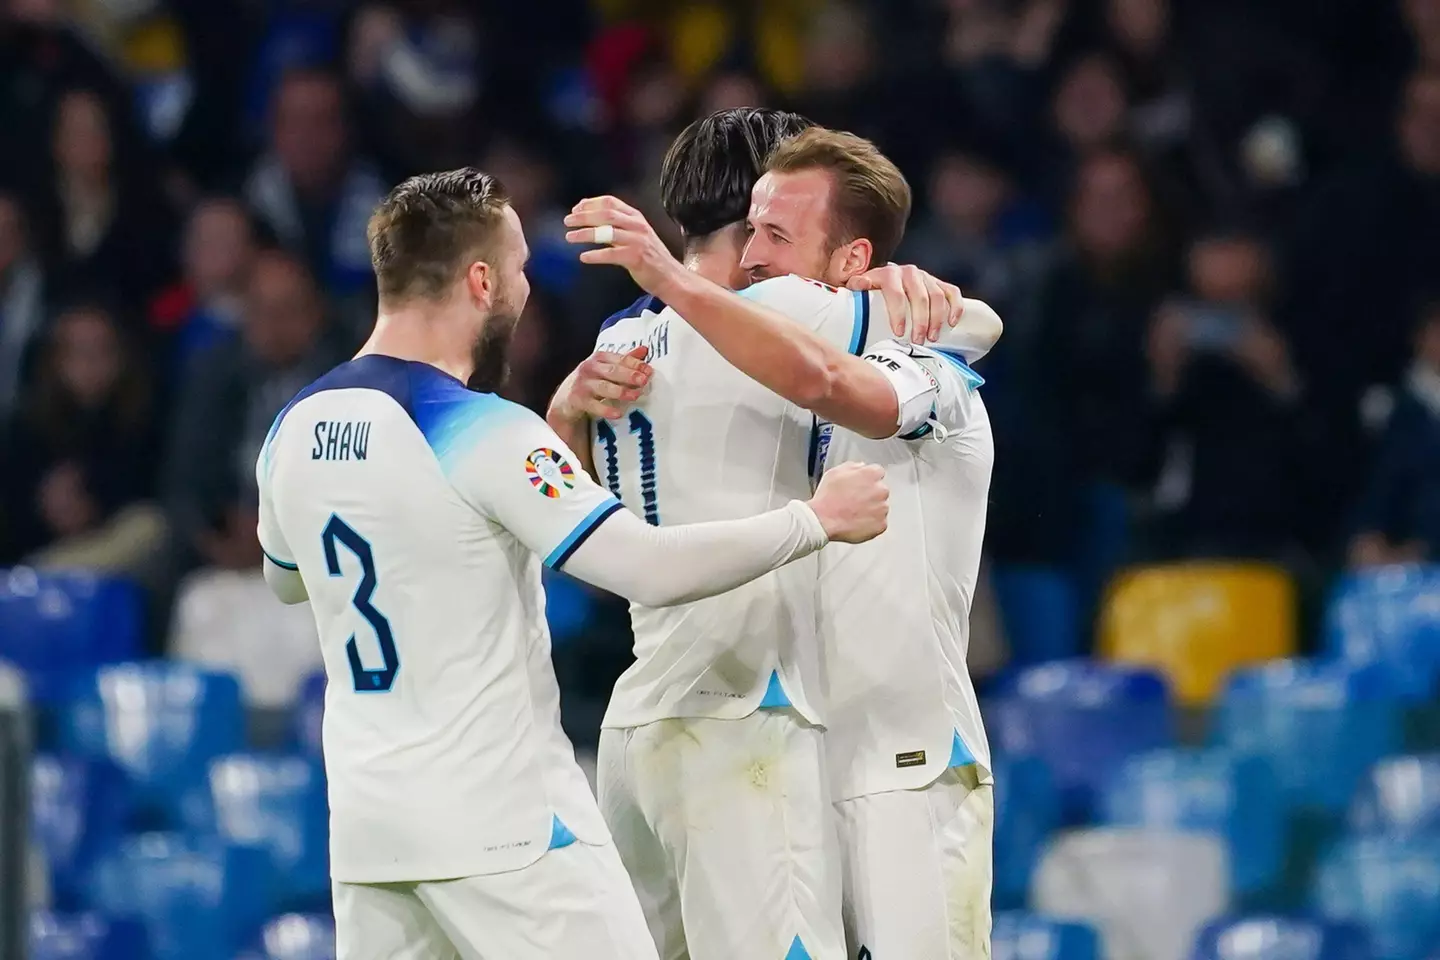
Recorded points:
549,472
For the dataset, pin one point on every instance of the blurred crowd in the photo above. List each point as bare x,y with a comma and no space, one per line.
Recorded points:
1212,227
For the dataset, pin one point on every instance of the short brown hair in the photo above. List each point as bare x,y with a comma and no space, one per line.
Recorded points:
872,197
430,228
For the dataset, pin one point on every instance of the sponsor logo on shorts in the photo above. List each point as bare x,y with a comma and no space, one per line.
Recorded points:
549,472
864,954
915,758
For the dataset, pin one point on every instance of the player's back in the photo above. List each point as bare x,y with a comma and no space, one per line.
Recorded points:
894,613
441,732
708,443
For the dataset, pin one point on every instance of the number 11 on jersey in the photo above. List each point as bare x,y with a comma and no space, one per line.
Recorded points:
644,432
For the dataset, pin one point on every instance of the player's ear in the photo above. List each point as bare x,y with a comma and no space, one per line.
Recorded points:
851,259
480,282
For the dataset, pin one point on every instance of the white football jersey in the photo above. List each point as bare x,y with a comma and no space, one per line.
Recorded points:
708,443
895,612
416,511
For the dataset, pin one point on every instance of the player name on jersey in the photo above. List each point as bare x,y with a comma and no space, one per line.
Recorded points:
341,440
657,340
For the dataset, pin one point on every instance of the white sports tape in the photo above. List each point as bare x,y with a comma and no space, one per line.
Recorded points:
605,233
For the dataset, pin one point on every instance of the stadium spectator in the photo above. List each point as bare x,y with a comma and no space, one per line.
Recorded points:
419,72
80,453
1088,411
1231,428
98,220
205,306
232,395
1399,516
981,233
22,301
310,190
1366,242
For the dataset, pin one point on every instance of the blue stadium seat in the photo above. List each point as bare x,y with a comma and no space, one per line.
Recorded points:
159,722
1391,887
296,936
273,803
1040,609
1084,719
309,712
1017,935
1320,725
77,808
1391,617
56,625
84,936
195,897
1400,796
1206,790
1280,938
1027,811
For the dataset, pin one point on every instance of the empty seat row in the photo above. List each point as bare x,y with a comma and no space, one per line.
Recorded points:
1318,725
1020,935
1149,894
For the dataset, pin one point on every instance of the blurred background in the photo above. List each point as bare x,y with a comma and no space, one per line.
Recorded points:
1208,632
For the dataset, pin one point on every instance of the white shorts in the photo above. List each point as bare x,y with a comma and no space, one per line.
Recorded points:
726,830
574,903
917,870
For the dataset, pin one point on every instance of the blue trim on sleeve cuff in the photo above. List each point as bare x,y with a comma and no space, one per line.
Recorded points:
972,379
580,534
278,562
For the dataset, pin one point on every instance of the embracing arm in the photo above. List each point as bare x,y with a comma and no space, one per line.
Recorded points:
664,566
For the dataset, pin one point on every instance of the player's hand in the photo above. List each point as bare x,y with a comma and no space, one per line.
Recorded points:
852,502
632,244
917,302
603,385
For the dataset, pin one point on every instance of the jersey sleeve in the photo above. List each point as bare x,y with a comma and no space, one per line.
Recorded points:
843,317
524,477
955,385
272,541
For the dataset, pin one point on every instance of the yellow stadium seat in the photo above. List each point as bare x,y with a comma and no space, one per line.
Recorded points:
1196,622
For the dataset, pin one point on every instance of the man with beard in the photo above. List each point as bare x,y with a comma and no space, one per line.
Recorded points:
711,768
413,514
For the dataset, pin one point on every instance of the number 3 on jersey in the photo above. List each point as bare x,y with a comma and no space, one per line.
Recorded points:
337,531
644,432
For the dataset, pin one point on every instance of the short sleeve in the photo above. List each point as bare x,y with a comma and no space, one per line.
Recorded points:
272,541
957,383
843,317
522,476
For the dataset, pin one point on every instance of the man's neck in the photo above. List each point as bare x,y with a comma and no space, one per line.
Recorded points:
421,335
711,266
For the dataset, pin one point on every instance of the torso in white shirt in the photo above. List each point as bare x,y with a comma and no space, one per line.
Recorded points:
708,443
416,512
895,612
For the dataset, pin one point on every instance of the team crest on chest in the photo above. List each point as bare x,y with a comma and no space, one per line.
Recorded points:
549,472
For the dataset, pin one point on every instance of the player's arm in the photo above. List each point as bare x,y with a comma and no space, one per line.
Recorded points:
521,478
281,572
876,400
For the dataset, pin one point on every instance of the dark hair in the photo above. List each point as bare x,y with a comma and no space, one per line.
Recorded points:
51,409
430,228
871,196
710,169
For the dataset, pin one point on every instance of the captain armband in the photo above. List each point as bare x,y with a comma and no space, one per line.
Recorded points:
915,387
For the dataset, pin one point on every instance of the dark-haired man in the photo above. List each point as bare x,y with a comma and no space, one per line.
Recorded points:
711,770
413,514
